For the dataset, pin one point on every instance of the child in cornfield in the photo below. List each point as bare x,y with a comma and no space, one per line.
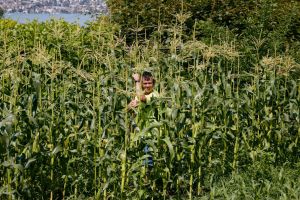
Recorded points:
145,113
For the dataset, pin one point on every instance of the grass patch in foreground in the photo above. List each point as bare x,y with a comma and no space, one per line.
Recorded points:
260,181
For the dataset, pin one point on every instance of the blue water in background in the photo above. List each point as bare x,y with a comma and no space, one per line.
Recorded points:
80,19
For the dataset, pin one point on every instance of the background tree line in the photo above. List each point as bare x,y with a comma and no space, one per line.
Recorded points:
256,24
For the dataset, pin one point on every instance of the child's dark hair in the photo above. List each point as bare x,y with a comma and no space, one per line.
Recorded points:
147,76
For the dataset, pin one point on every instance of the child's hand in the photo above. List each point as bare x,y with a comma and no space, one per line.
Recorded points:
133,103
136,77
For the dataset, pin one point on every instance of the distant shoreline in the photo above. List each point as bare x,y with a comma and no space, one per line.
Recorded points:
58,12
54,13
22,17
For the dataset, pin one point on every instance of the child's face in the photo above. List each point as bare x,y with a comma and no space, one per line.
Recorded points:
147,84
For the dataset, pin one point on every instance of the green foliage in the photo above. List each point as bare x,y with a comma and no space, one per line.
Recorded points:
276,21
65,130
140,17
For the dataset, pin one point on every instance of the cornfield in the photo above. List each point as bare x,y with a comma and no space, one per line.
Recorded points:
222,123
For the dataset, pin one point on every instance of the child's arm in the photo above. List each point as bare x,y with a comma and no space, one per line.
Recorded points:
138,86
